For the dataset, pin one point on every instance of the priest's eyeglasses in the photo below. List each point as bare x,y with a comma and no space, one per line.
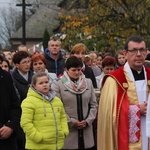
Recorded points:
135,51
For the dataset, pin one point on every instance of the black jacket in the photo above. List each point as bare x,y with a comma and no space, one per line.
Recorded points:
21,84
88,72
54,66
22,87
10,110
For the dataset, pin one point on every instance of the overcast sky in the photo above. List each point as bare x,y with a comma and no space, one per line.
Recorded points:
6,3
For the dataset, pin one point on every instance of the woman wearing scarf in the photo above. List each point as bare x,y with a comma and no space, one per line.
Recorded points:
78,97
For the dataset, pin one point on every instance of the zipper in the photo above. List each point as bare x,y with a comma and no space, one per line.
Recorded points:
55,125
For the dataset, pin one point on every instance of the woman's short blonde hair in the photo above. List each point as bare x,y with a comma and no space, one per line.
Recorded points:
80,47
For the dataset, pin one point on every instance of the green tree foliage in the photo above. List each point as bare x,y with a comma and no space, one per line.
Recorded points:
106,24
46,38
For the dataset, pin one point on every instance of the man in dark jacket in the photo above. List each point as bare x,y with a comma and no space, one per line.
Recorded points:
22,78
54,60
9,112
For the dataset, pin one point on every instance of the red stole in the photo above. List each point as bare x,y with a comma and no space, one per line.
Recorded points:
122,106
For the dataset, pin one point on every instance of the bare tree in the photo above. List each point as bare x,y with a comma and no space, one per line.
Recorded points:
30,10
10,22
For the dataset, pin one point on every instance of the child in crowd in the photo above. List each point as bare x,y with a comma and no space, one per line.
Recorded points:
88,61
43,116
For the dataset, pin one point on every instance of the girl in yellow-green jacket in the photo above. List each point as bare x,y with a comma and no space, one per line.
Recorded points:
43,117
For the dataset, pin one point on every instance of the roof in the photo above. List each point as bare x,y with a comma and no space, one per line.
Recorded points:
44,17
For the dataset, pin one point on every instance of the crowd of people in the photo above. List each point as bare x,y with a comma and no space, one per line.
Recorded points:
48,99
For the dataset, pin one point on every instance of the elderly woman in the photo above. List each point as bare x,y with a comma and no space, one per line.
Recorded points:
78,97
38,64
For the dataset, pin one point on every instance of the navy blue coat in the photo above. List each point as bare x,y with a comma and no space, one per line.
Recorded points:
53,66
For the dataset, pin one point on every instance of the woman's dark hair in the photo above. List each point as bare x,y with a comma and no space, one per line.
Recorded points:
100,55
1,58
5,60
19,56
73,61
2,54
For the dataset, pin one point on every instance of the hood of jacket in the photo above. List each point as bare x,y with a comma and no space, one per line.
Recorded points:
33,92
36,94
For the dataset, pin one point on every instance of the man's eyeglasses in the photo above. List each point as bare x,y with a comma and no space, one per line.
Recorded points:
135,51
25,62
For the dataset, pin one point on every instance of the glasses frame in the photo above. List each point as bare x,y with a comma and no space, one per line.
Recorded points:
26,63
135,51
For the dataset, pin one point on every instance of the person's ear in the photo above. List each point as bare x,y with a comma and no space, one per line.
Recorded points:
33,85
17,66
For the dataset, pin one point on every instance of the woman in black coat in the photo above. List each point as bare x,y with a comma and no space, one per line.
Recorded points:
9,112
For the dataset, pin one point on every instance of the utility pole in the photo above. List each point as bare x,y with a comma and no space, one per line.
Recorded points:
23,5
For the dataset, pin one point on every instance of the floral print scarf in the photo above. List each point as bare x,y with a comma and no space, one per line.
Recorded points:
77,87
